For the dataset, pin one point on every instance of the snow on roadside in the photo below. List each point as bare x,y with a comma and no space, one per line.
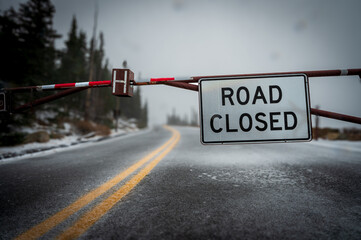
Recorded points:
76,140
68,141
71,138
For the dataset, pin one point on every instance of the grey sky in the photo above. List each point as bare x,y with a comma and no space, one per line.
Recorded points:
166,38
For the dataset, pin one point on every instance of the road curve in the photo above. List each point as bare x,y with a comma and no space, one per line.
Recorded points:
163,184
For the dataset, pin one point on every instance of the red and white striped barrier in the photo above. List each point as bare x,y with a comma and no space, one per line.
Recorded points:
95,83
161,79
75,85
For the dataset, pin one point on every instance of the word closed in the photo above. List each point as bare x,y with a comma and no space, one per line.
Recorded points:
256,109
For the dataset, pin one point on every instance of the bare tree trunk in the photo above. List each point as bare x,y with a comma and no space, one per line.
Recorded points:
91,64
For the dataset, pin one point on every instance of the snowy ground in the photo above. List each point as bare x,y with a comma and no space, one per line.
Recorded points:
69,131
32,149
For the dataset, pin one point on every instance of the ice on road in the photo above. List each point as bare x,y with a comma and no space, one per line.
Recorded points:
255,191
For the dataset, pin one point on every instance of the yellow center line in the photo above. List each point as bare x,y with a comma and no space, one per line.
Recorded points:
92,216
45,226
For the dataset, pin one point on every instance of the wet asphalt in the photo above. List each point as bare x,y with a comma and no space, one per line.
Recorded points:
261,191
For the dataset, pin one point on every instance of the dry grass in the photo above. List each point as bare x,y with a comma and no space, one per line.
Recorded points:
102,130
41,137
85,127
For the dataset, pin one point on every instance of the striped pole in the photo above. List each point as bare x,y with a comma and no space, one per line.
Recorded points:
160,80
170,81
75,85
106,83
195,79
319,73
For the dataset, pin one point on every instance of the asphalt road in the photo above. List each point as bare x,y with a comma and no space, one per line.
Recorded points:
160,184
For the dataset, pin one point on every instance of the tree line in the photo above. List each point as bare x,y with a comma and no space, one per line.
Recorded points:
175,119
29,57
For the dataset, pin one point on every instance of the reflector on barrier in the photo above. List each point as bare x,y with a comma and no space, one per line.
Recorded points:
121,79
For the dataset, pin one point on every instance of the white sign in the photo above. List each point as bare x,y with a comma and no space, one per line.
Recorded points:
272,108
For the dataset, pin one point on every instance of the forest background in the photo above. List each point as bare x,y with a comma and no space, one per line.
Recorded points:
29,58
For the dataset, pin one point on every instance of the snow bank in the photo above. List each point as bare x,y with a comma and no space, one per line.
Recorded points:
68,141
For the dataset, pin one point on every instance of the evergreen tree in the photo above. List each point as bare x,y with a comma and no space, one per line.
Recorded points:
194,118
102,101
27,50
27,37
29,56
131,107
143,121
73,66
174,119
137,104
97,100
73,59
11,59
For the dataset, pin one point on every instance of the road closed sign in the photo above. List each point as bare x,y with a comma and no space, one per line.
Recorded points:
273,108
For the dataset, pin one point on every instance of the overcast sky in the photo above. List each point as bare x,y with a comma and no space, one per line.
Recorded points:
165,38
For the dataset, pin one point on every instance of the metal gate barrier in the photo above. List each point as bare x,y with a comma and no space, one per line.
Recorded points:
123,81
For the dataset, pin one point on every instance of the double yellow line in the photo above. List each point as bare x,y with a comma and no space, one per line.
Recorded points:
94,214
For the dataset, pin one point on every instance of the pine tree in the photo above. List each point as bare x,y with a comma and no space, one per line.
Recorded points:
194,118
73,59
102,102
27,49
37,36
73,66
11,60
143,121
137,104
27,37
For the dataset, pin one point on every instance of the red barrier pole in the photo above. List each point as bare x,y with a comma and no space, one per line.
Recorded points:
337,116
58,86
48,99
319,73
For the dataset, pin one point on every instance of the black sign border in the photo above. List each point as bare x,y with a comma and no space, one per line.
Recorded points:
308,104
